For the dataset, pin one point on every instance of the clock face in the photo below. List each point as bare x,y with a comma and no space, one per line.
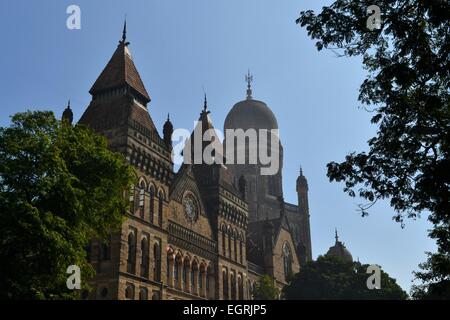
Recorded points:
190,208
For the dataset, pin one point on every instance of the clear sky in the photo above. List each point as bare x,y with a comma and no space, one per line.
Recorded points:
179,47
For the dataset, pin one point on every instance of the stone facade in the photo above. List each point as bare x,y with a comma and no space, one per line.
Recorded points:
188,234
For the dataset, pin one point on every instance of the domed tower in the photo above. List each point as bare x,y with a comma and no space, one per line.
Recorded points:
263,191
339,250
67,114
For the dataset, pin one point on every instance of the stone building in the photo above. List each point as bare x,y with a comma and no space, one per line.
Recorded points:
203,232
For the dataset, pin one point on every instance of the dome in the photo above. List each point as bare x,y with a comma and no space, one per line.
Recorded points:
339,250
250,114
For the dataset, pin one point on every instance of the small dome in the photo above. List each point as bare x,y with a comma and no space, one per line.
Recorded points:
339,250
250,114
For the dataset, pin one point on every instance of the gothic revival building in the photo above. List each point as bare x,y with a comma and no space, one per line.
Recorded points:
203,232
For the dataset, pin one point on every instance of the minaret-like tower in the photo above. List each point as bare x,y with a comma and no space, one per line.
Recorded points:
67,114
167,132
302,192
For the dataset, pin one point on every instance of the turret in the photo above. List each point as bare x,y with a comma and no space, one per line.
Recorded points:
67,114
167,132
303,208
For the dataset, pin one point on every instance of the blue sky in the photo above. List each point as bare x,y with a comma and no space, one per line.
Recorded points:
179,47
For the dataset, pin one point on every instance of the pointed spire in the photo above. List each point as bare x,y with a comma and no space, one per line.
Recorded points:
301,171
336,235
124,33
68,104
205,104
168,116
249,80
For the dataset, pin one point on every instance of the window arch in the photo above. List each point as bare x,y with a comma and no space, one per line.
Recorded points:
287,261
129,292
240,288
225,284
144,257
143,294
152,204
141,198
160,207
186,274
131,260
230,235
233,285
157,259
177,271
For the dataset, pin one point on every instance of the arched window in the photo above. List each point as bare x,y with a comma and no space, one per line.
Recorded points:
235,249
129,291
131,198
131,261
141,199
195,277
144,258
249,290
224,243
287,261
233,286
229,242
210,282
160,207
143,294
186,276
241,254
201,275
157,265
225,284
240,288
152,204
156,295
177,271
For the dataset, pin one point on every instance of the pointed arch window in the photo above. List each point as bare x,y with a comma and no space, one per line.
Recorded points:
131,260
160,207
152,204
144,257
225,284
141,199
157,259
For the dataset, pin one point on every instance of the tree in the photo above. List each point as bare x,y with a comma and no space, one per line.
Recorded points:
333,278
59,187
407,89
265,289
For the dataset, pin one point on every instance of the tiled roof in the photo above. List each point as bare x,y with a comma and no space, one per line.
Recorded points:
120,71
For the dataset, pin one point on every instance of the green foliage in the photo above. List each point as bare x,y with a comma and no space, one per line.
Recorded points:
407,89
333,278
265,289
59,187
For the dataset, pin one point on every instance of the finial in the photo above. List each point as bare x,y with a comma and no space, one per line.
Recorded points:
301,171
124,33
336,235
249,80
68,104
168,116
205,104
